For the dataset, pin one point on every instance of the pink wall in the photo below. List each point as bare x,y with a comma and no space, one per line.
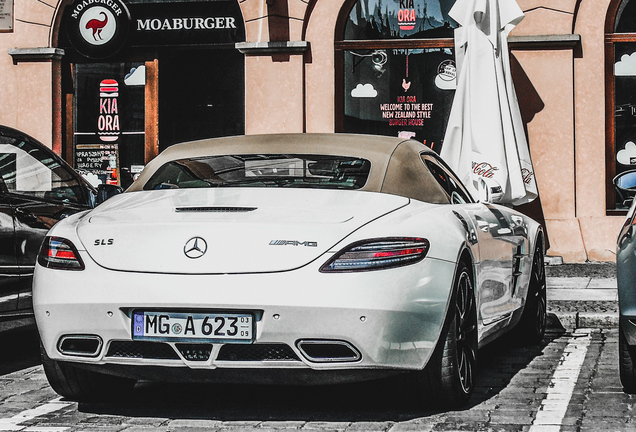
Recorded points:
296,93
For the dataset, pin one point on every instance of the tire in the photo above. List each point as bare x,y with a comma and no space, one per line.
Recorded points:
531,326
626,363
449,375
83,385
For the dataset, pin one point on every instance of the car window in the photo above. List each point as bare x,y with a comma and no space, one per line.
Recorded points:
271,170
26,169
458,195
451,185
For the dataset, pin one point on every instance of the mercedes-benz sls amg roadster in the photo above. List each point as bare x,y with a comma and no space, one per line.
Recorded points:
289,259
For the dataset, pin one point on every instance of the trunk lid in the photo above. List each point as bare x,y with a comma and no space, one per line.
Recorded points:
246,230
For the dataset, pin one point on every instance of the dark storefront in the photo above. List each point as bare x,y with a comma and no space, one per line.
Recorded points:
139,76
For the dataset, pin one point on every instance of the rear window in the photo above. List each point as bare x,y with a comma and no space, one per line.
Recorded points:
272,170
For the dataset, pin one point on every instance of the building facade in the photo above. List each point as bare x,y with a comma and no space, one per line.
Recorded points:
110,83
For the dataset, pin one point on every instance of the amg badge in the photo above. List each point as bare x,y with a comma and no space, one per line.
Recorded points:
293,243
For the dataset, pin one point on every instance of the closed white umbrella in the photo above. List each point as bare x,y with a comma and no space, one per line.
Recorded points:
485,140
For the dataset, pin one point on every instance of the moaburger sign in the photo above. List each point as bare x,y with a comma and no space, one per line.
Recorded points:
100,28
82,6
178,24
186,23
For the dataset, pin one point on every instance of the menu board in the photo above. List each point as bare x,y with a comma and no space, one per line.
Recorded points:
98,159
6,15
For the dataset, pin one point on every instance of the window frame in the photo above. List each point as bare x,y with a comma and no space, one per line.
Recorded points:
611,39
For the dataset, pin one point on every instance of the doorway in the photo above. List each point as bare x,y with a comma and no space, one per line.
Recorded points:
201,95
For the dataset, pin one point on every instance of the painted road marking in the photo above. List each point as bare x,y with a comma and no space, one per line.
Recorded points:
553,408
14,423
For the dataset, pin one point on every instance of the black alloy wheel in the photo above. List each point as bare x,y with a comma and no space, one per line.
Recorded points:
626,363
465,333
532,325
449,376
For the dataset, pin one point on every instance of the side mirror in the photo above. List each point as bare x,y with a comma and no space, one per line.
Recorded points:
490,191
105,191
625,187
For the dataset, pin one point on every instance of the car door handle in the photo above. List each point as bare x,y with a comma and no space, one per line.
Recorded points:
483,225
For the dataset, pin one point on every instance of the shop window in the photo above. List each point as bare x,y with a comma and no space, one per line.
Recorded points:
620,41
397,69
109,120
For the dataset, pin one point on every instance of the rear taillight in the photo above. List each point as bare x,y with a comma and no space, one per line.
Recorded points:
59,253
378,254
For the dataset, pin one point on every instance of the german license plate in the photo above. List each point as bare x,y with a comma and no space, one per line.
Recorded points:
178,326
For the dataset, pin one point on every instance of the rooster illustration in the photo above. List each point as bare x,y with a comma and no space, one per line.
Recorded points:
406,85
97,25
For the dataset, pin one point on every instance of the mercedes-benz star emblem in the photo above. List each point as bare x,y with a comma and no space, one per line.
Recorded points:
195,247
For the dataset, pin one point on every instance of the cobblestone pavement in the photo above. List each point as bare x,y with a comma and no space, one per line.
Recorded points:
569,383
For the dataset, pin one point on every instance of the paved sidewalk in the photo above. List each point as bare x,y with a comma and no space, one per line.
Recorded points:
582,296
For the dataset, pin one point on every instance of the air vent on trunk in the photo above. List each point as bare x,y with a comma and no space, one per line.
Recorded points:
215,209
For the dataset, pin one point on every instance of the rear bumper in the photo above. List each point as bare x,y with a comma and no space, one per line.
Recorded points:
249,376
392,318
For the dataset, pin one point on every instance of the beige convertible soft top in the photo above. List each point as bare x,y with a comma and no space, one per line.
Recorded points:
396,163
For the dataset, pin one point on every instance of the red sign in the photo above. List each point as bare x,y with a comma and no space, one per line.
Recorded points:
108,120
406,15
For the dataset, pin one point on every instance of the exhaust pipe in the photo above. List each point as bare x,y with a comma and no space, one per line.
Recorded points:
80,345
326,351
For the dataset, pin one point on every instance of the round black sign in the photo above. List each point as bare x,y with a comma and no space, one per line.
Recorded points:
98,28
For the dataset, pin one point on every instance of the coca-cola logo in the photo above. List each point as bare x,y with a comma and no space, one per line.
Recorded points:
527,175
484,169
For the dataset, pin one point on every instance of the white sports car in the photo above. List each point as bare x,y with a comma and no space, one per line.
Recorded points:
286,259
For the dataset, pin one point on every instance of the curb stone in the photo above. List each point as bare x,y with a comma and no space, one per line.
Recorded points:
587,295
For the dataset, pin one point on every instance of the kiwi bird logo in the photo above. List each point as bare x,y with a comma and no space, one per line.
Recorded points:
97,26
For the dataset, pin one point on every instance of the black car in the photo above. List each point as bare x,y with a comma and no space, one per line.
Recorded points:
37,189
